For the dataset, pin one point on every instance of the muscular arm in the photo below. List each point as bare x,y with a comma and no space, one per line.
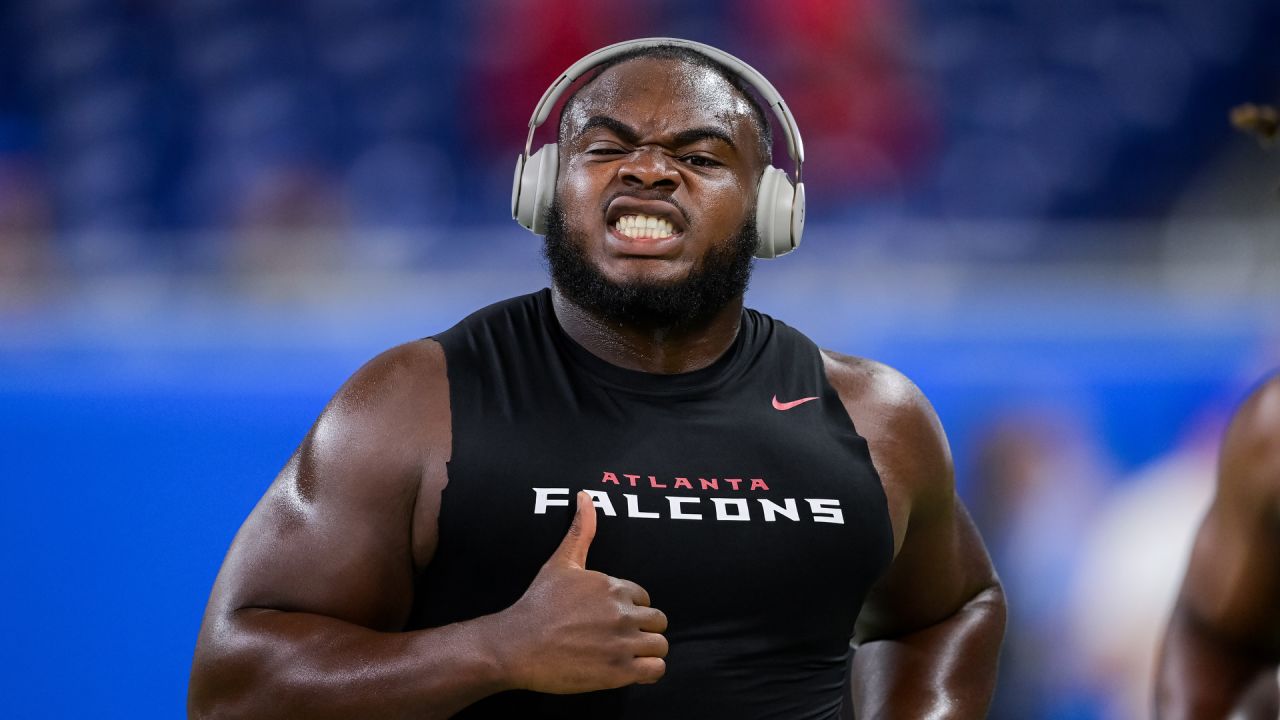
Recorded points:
303,617
1225,628
307,616
930,630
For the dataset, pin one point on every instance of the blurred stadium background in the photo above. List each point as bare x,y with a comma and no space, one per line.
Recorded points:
212,211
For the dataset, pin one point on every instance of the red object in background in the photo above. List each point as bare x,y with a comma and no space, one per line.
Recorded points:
521,47
840,64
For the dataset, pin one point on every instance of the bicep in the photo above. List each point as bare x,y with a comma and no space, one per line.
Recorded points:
340,532
942,565
1233,580
313,545
1232,585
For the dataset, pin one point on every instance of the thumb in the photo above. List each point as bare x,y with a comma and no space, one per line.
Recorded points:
581,532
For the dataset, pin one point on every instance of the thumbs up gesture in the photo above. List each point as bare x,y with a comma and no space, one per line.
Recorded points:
576,630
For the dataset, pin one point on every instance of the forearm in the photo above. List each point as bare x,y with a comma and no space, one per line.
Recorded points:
1202,673
271,664
946,670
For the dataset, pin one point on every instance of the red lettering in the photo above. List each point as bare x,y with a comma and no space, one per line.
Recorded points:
684,482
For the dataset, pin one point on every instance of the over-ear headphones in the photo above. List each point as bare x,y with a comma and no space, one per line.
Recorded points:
779,204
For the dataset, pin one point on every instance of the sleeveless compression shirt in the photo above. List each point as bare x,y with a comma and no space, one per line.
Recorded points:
739,496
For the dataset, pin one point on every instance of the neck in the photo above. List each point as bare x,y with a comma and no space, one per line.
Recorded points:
661,350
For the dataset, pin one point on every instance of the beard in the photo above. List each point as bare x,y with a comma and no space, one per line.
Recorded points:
720,277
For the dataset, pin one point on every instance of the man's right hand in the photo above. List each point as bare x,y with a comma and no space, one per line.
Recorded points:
576,630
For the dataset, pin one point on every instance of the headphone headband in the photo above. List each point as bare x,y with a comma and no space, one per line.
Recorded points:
795,145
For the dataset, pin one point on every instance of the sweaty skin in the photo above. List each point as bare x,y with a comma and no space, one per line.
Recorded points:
308,616
1222,647
928,638
646,132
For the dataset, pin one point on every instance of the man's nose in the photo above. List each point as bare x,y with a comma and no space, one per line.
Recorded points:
650,167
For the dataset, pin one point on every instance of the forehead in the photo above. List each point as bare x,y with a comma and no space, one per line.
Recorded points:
665,92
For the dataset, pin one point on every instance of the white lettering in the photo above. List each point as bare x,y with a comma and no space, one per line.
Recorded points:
600,499
826,511
787,510
633,507
685,507
723,503
543,500
677,513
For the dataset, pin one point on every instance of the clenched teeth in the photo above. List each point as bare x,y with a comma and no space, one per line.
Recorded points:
644,226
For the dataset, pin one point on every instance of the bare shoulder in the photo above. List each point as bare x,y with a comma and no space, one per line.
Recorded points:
405,380
874,386
889,410
907,443
406,373
1250,458
390,411
380,445
350,514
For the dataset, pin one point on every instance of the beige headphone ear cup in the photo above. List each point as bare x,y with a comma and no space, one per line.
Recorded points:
797,216
774,209
535,187
516,183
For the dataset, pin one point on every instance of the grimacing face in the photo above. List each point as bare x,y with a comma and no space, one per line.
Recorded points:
657,142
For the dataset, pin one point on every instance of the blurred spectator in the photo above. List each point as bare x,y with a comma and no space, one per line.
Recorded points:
290,225
1040,475
1133,558
27,260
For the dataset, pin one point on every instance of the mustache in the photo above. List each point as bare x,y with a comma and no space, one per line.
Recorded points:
647,195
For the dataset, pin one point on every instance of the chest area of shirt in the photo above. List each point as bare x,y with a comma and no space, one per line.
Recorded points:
694,492
736,460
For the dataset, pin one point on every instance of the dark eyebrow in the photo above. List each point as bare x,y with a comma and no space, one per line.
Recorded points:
628,134
624,131
689,137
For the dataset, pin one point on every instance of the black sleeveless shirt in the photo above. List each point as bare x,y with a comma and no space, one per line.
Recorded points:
739,496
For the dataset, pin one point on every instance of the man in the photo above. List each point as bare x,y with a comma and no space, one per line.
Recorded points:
1222,647
412,559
